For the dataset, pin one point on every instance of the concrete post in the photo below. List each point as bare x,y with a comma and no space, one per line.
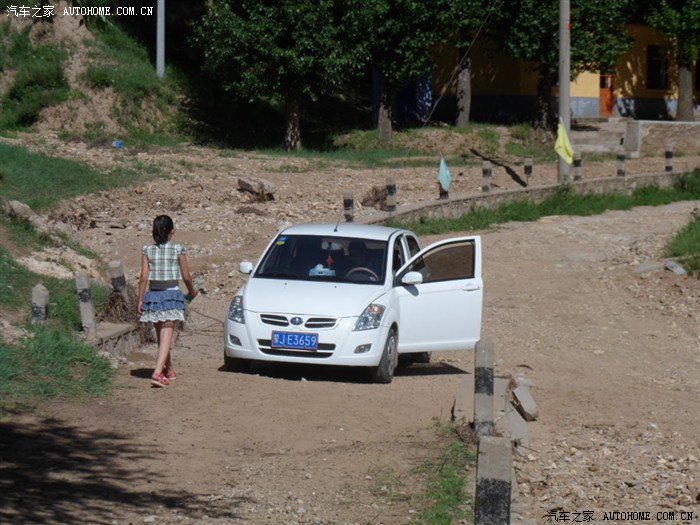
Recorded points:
527,170
669,159
116,273
486,177
349,207
87,310
621,163
483,388
390,194
493,481
40,304
577,166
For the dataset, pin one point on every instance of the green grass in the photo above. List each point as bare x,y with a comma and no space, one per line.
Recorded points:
16,283
51,363
40,181
445,499
686,247
117,61
38,79
564,202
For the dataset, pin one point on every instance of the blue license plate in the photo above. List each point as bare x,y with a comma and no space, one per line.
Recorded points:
294,340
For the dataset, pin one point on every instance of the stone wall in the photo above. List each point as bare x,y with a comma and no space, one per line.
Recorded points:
650,137
453,208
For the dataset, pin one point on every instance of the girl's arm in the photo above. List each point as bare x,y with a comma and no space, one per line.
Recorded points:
143,280
186,277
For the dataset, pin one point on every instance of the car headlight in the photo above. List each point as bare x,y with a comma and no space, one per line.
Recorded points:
371,318
235,310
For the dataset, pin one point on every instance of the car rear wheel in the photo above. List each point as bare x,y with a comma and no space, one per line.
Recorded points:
384,371
234,364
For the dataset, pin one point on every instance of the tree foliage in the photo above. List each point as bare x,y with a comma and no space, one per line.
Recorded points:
281,49
598,37
679,21
400,36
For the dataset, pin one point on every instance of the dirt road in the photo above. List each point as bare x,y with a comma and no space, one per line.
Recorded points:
576,305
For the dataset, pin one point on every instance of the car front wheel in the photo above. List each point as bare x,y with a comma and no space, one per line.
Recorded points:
384,371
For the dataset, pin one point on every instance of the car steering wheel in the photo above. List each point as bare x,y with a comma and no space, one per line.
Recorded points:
363,269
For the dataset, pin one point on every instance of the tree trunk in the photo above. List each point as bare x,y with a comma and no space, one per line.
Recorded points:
292,132
684,111
384,117
545,118
464,94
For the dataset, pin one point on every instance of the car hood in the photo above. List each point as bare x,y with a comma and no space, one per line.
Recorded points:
308,298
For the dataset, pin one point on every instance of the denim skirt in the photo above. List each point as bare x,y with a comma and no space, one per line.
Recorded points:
163,305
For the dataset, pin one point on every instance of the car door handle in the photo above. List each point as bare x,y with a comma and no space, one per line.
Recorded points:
471,288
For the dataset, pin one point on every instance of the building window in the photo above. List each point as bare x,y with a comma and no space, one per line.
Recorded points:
657,68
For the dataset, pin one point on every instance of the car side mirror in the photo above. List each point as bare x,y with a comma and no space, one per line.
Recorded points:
412,278
245,267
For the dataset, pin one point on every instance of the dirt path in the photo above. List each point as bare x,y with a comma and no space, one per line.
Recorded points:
612,351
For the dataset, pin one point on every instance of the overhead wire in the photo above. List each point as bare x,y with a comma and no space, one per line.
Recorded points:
459,64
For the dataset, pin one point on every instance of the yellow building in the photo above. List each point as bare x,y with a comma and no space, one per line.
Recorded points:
643,86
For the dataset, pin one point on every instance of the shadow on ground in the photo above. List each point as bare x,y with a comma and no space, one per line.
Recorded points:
342,374
51,472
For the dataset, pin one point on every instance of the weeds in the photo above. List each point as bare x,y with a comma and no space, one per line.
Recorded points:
39,80
49,363
40,181
446,499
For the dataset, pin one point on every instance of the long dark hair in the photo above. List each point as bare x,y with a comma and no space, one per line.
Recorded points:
162,226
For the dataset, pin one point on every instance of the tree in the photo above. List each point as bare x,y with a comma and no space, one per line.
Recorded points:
283,50
400,36
679,21
530,30
470,17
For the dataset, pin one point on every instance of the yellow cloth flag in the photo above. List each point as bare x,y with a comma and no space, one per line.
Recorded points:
562,146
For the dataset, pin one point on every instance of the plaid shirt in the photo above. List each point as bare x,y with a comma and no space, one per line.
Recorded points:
163,264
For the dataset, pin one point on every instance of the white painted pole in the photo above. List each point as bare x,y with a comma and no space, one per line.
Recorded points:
160,39
564,80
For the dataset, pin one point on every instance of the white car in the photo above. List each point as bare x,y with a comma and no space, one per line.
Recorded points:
355,295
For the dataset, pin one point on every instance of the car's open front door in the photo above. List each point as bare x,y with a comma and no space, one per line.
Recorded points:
440,309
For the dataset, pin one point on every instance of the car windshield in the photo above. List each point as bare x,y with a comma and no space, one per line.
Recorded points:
316,257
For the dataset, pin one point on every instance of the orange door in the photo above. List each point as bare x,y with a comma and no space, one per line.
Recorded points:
607,101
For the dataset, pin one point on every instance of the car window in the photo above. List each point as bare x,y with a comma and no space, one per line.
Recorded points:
315,257
397,254
448,262
413,246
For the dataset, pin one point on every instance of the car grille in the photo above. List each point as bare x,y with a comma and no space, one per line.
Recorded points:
314,323
324,350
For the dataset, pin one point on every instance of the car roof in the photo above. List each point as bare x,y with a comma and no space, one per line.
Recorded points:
344,229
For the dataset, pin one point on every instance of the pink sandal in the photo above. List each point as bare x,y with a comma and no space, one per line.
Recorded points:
160,381
170,374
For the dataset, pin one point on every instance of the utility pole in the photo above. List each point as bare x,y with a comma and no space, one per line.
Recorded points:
160,39
564,81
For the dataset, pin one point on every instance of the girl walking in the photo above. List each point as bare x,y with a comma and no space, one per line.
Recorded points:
163,264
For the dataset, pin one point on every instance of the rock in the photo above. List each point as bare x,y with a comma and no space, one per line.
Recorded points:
261,190
674,267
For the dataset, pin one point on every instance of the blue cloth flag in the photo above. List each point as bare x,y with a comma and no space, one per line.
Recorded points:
444,177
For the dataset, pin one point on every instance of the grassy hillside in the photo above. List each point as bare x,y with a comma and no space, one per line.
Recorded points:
91,83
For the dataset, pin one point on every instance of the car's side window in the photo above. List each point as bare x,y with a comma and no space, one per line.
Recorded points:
413,246
448,262
397,254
